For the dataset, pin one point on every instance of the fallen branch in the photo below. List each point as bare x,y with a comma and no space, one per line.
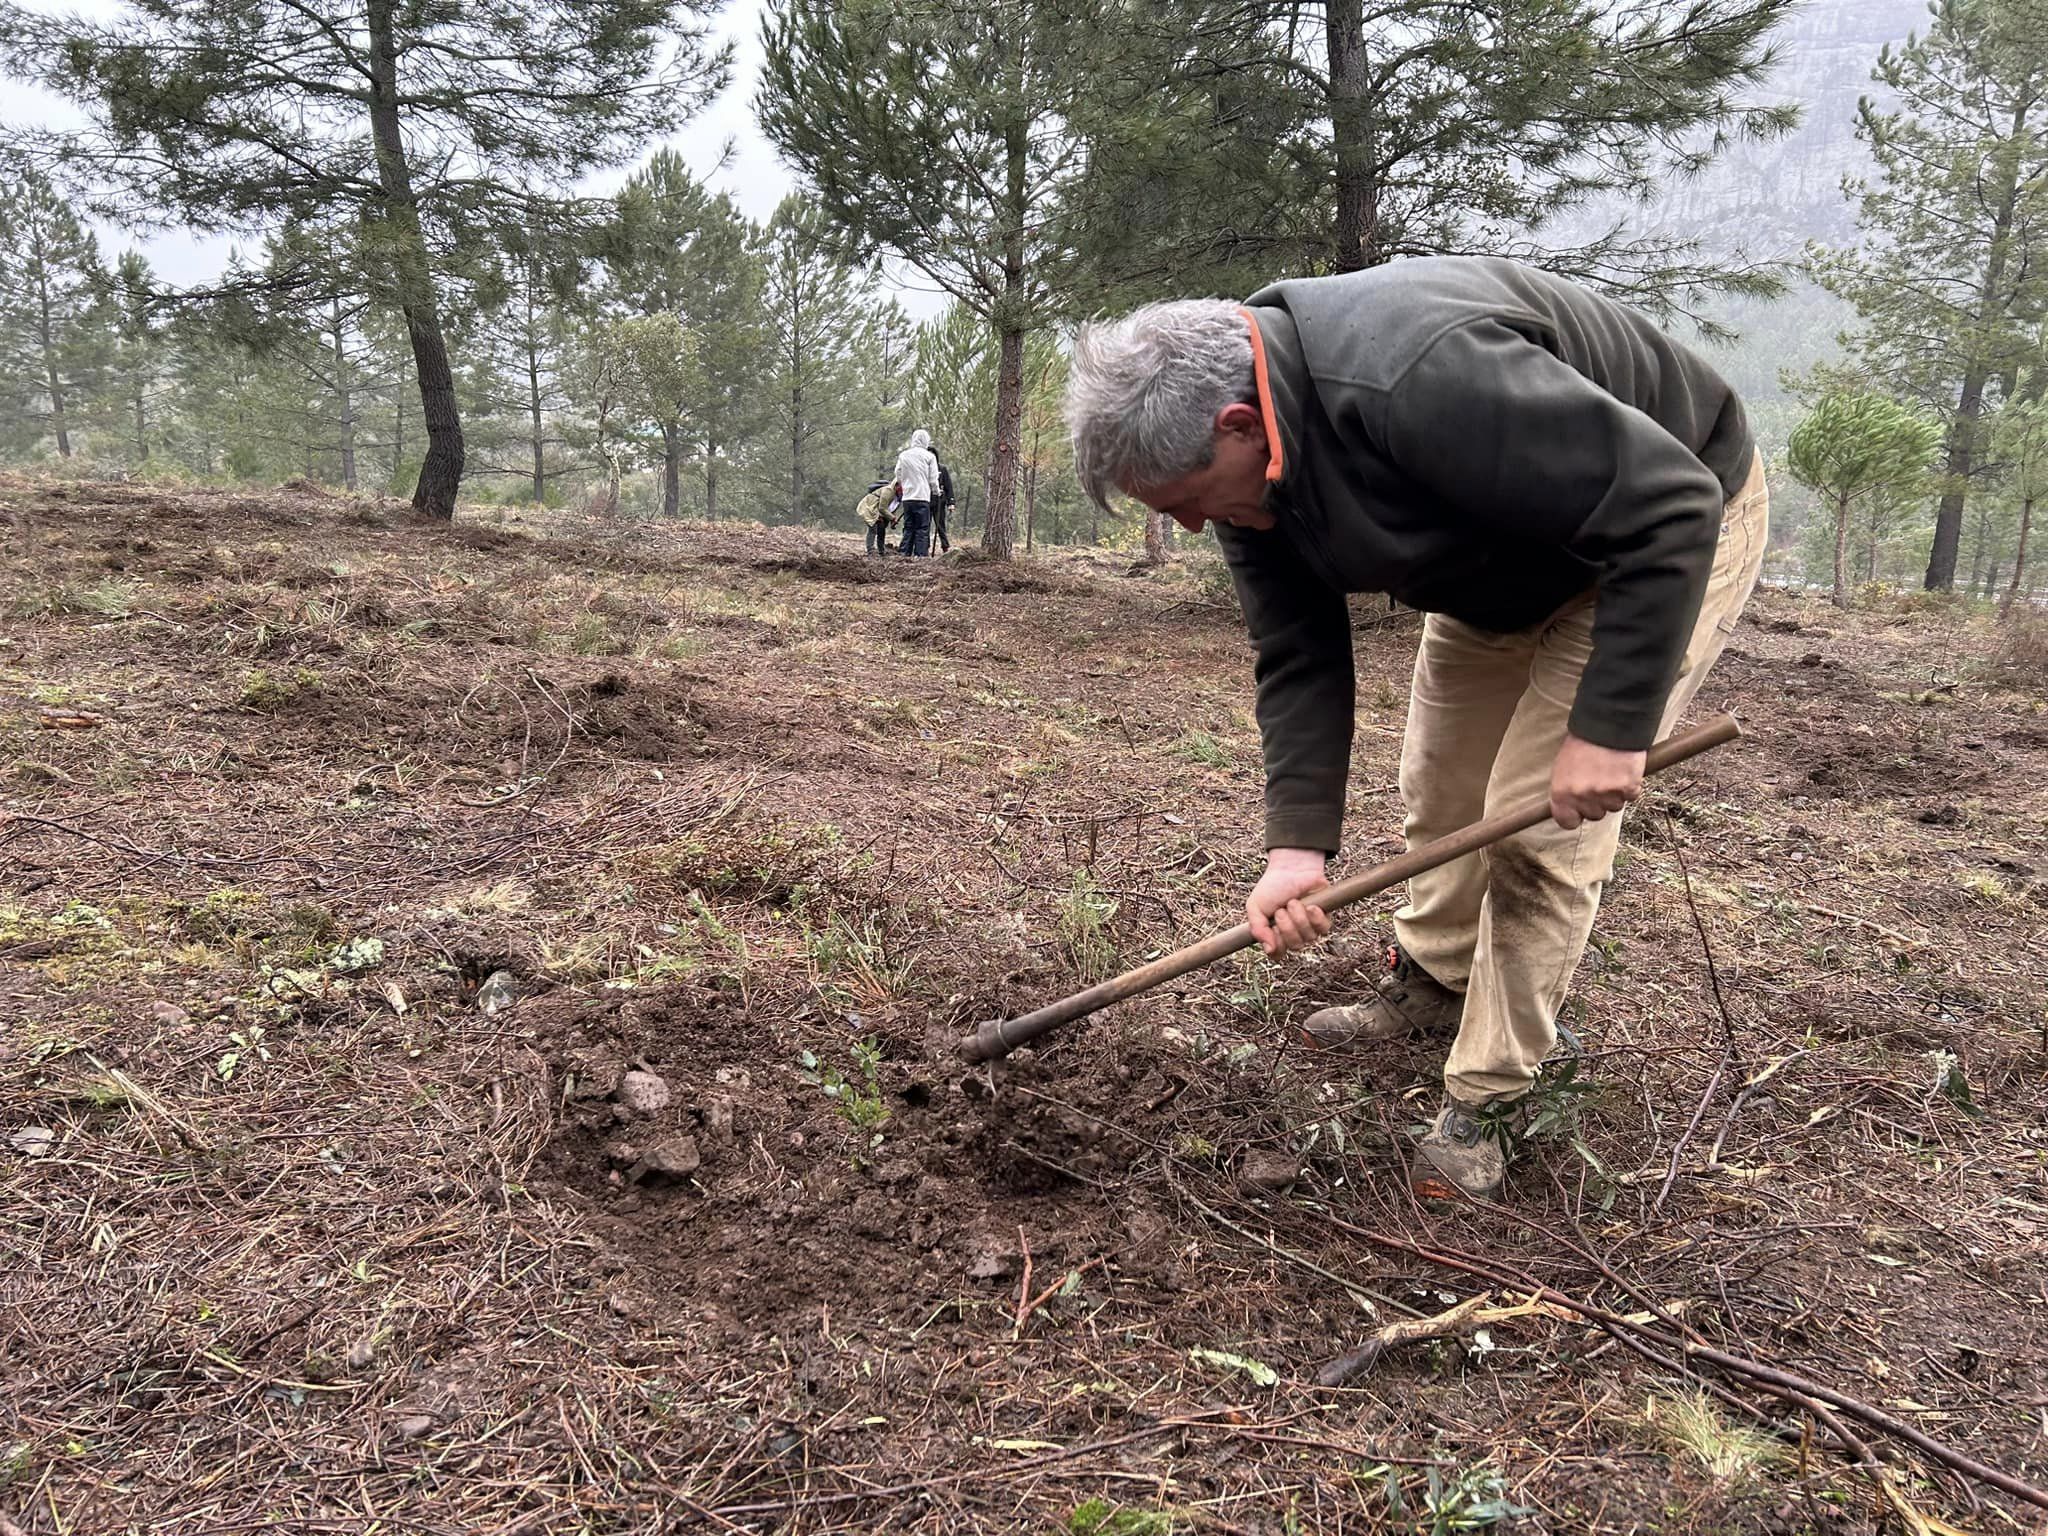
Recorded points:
1024,1312
1787,1386
1466,1318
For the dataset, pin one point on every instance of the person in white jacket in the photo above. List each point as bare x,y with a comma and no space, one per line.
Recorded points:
917,472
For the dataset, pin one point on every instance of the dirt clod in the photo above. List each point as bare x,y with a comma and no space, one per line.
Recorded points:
1266,1173
642,1093
673,1157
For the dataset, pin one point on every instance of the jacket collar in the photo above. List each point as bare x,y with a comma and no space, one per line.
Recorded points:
1279,372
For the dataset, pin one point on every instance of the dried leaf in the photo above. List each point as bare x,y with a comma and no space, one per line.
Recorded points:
1262,1375
393,996
33,1140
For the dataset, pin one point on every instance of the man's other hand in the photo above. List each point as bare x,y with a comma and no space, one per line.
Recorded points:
1588,781
1280,920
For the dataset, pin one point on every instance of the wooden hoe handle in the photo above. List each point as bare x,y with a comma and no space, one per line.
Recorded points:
999,1037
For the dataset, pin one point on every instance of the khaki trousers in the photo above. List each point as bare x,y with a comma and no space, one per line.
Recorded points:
1486,717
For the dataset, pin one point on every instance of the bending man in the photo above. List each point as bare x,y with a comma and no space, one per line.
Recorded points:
1576,502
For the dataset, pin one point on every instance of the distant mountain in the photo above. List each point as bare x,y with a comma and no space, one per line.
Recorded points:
1772,198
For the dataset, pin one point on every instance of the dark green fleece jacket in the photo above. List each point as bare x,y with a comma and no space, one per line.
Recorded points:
1484,440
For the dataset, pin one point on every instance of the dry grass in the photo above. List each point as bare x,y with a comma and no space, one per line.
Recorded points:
314,1243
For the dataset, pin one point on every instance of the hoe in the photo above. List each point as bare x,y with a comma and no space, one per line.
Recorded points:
999,1037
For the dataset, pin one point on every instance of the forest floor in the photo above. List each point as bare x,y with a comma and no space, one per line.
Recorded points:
304,1225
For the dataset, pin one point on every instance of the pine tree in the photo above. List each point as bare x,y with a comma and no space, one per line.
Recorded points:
938,130
134,374
953,393
2019,439
1235,141
652,357
530,300
675,249
1454,128
600,382
420,120
1950,279
54,321
812,309
893,342
307,309
1858,447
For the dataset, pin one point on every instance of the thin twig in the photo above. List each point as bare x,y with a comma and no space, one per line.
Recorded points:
1728,1045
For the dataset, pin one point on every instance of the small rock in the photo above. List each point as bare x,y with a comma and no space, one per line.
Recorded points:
621,1152
362,1354
413,1425
1940,816
499,992
994,1263
170,1015
674,1158
33,1141
1268,1173
642,1093
1811,659
734,1077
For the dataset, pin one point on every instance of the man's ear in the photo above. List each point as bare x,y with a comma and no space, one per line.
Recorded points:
1241,420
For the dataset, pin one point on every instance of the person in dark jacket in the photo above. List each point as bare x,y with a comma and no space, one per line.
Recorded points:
942,504
1576,502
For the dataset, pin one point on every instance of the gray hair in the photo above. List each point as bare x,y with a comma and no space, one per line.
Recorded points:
1143,392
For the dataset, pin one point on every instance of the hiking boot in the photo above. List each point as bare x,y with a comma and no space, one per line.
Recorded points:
1466,1152
1406,1000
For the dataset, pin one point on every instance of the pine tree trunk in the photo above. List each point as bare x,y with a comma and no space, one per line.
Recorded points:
2019,556
1351,136
998,534
1979,547
671,470
1991,306
47,334
141,425
1030,505
1155,543
1842,552
1962,452
533,413
710,480
999,529
397,425
796,449
441,473
610,456
344,396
